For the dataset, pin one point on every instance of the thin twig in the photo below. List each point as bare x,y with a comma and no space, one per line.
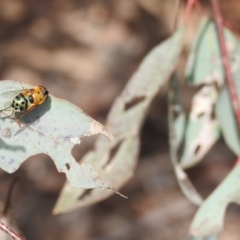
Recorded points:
9,231
226,61
188,11
176,14
225,23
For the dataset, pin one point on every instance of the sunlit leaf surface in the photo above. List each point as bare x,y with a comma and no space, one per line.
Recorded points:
52,128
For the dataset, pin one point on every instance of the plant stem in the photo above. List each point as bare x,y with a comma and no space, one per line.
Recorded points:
9,231
188,11
225,60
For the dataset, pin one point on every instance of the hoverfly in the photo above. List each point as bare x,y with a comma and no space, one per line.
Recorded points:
25,100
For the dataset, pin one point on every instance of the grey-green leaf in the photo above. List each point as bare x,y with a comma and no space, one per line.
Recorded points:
202,130
176,132
52,128
204,63
210,216
226,118
179,127
224,110
116,161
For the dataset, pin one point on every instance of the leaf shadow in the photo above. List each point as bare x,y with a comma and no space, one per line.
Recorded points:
4,145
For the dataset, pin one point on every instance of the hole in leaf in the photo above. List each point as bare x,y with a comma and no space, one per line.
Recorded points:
79,150
232,209
112,154
200,115
197,149
85,194
213,116
176,113
133,102
67,166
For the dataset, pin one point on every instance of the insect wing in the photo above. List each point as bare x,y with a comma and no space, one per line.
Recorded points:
11,94
7,104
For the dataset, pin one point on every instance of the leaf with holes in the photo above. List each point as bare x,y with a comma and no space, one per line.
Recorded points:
115,161
52,128
176,133
210,216
202,131
204,63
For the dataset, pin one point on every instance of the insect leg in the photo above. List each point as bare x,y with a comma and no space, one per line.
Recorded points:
21,85
7,109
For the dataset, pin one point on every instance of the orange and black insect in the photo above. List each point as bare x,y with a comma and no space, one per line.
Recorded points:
25,100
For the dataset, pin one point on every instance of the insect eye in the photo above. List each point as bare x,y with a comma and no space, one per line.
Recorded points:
31,99
45,92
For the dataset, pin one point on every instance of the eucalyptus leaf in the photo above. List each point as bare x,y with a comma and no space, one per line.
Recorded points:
204,64
176,133
116,161
202,130
52,128
179,127
224,110
210,216
226,118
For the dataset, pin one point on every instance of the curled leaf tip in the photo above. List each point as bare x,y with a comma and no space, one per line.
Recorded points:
97,128
120,194
111,188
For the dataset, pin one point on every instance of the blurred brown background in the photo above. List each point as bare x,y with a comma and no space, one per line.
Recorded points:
85,51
